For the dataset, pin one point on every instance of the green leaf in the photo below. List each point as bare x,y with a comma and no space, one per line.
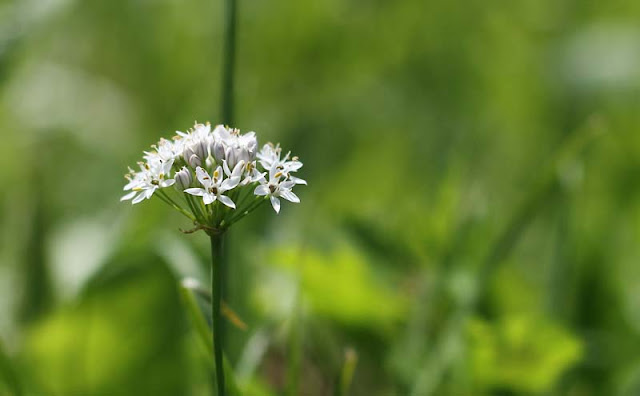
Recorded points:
523,353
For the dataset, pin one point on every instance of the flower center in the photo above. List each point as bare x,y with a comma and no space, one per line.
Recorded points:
272,188
213,190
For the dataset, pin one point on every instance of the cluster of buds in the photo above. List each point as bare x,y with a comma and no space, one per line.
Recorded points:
217,176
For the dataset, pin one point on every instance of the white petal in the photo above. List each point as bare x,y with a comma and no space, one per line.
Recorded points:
227,171
239,168
166,166
141,197
227,201
219,174
131,184
273,171
195,191
149,192
297,180
293,166
230,183
287,185
167,183
128,196
261,190
275,202
208,198
289,196
203,177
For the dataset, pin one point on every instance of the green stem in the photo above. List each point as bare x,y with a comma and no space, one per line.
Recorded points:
173,204
217,269
245,212
228,58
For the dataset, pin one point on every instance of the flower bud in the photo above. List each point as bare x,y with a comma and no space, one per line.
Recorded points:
191,157
217,149
231,157
243,155
251,155
201,150
183,179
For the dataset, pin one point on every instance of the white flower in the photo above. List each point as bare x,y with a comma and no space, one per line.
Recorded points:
214,187
194,144
251,174
165,150
269,157
233,147
275,189
220,159
152,176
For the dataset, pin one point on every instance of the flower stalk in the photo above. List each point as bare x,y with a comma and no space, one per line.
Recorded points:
217,271
215,177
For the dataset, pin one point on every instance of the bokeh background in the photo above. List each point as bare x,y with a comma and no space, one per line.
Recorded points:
471,224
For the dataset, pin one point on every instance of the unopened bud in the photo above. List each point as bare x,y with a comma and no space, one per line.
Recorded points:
201,150
217,149
183,179
231,157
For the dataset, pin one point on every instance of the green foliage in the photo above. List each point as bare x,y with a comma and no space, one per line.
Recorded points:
338,284
524,353
471,224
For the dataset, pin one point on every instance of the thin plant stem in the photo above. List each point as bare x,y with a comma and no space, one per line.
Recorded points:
228,59
245,212
217,270
174,205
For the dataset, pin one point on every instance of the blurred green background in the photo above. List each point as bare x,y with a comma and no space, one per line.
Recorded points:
471,224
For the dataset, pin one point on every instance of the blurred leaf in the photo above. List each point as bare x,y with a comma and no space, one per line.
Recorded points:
204,331
123,337
9,380
339,284
521,353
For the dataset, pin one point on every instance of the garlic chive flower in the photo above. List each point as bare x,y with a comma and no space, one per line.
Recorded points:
277,186
152,176
214,187
218,175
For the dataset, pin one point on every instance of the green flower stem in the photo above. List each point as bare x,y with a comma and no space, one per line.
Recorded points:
197,209
245,212
217,270
192,207
228,58
173,204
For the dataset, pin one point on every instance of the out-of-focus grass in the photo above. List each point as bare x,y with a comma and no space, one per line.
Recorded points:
456,233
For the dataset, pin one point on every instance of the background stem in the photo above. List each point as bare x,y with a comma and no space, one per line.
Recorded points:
217,269
227,94
228,59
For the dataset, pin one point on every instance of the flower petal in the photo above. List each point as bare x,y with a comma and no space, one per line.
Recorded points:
238,169
227,201
167,183
203,177
261,190
230,183
297,180
141,197
208,198
149,192
289,196
128,196
275,202
195,191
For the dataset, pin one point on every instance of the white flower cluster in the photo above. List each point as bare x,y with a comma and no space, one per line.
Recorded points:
219,166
